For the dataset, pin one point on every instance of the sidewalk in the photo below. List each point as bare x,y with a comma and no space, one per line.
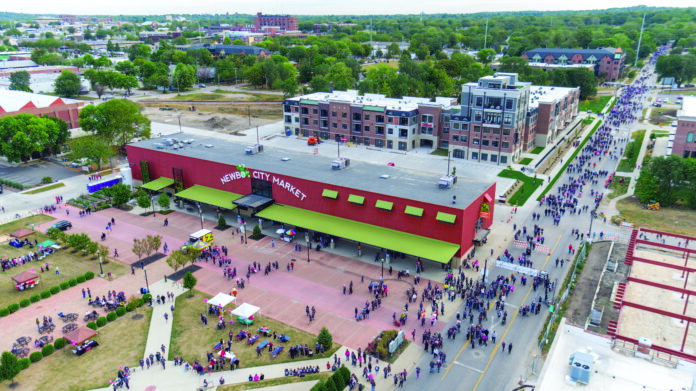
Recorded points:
160,330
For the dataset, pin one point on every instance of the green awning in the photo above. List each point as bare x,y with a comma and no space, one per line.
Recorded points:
418,246
385,205
356,199
309,102
329,194
373,108
158,184
210,196
446,217
413,211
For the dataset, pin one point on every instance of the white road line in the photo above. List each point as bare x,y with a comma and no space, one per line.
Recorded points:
468,367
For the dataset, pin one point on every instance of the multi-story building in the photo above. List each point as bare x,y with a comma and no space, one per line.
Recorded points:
554,108
283,22
222,51
370,119
157,36
608,62
20,102
684,143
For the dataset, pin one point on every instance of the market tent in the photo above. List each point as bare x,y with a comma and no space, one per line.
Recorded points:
21,233
47,244
210,196
25,276
80,335
221,300
403,242
246,310
158,184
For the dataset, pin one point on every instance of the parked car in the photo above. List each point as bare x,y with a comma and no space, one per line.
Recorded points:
62,225
201,85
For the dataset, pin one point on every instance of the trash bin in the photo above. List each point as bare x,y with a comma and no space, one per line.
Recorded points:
143,291
288,132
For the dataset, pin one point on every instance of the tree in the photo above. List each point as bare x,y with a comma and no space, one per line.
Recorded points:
184,76
19,81
222,223
176,260
289,86
143,200
164,201
152,244
189,281
121,193
325,339
67,84
9,367
485,56
227,41
23,134
681,67
89,147
139,247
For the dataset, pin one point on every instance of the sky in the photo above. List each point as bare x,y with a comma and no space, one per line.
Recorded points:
314,7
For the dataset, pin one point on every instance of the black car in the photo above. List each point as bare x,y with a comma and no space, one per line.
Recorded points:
62,225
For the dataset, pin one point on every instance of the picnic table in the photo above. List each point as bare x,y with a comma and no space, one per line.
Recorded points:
245,321
69,327
266,332
277,351
263,344
22,341
242,334
283,338
253,339
47,328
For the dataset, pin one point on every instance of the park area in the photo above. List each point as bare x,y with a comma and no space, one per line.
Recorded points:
595,104
70,264
529,185
191,340
677,219
121,343
628,162
619,186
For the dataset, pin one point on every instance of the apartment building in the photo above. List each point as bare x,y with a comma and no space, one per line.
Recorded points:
282,22
684,143
608,63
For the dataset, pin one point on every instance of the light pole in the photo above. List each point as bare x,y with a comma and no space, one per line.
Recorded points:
245,233
307,243
200,212
485,266
101,271
147,284
382,269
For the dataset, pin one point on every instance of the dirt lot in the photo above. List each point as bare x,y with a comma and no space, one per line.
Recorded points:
581,300
679,219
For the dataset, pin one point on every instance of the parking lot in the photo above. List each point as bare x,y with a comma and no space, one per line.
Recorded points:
31,174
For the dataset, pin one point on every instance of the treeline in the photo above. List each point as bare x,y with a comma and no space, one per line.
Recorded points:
668,180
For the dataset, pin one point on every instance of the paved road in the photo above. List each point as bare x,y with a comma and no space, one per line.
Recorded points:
490,368
31,174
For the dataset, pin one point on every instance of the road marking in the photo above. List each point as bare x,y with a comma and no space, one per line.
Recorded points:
512,320
468,367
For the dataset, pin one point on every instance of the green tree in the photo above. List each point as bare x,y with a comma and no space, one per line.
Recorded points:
23,134
485,56
121,194
126,67
89,147
143,200
184,76
325,339
227,41
222,223
189,281
681,67
164,201
19,81
176,260
152,244
138,247
9,367
67,84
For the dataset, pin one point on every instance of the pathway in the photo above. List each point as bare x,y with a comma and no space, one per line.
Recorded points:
160,332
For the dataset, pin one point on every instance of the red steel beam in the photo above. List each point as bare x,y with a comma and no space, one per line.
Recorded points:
667,246
654,231
658,311
676,353
664,264
686,332
661,286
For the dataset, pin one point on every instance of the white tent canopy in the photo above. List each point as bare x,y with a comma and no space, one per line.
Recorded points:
221,300
246,310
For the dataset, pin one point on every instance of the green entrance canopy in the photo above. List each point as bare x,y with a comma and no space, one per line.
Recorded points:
158,184
210,196
419,246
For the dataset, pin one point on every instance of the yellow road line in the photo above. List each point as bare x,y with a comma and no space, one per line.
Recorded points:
514,316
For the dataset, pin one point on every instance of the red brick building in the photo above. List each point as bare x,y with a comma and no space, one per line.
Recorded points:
283,22
16,102
608,62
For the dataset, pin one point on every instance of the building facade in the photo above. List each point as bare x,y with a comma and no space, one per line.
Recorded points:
20,102
608,63
282,22
684,143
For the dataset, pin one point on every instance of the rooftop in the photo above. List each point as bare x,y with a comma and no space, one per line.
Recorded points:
11,100
557,52
543,94
408,184
688,108
407,103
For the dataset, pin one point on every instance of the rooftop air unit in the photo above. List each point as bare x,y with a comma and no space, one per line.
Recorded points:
447,181
340,163
581,367
253,149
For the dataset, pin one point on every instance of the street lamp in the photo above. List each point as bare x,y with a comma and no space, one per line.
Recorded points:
382,269
101,271
245,233
147,284
200,212
307,243
485,266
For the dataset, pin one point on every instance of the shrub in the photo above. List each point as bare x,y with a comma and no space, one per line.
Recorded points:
140,302
47,350
345,373
46,179
256,233
131,306
59,343
80,279
4,312
35,356
93,325
338,381
330,385
72,282
55,289
64,285
325,339
120,311
24,303
14,307
24,363
101,321
45,294
35,298
89,275
147,297
111,316
222,223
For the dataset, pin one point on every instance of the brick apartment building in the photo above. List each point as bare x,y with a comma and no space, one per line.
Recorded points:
283,22
608,62
20,102
499,118
684,144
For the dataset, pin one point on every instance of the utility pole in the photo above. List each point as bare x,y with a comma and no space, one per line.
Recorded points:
640,38
249,115
257,135
485,37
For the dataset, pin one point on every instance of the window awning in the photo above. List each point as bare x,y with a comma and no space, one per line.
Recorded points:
418,246
210,196
253,201
384,205
487,197
329,194
158,184
413,211
446,217
356,199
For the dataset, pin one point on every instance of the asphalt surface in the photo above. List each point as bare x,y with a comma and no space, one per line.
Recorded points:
489,368
31,174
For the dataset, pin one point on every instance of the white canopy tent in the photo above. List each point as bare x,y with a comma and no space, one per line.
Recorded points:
221,300
246,310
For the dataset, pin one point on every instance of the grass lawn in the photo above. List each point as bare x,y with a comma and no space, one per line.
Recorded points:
120,343
628,162
596,104
617,187
679,219
192,340
275,382
662,116
529,185
537,150
45,188
439,152
26,222
391,64
201,96
526,161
